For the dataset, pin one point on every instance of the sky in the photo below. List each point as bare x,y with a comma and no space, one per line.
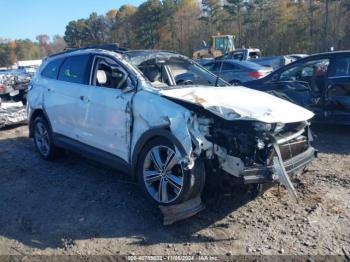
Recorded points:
22,19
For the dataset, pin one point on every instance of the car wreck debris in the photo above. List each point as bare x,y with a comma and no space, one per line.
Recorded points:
12,113
181,211
14,86
13,96
281,173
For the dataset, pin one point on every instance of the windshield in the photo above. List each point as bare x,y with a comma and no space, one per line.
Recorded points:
166,72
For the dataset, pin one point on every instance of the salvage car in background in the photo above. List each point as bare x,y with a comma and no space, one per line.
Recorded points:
13,96
236,72
135,111
254,55
319,82
14,85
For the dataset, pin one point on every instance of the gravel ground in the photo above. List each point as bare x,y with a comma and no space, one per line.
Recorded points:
75,206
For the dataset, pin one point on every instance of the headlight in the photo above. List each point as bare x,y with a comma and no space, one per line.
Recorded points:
262,127
265,127
279,127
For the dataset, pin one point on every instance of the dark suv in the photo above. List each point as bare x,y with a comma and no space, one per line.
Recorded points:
319,82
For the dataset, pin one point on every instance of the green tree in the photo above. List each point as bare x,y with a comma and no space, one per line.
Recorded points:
148,21
76,34
7,57
123,30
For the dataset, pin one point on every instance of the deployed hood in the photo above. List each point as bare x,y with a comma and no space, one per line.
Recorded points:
240,103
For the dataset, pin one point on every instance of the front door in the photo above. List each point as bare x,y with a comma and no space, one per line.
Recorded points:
305,83
107,116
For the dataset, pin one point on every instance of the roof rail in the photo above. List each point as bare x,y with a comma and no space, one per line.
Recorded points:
108,47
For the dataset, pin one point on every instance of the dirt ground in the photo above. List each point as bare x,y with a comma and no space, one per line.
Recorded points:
75,206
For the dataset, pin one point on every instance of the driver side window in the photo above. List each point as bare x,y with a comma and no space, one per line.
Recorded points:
305,71
109,74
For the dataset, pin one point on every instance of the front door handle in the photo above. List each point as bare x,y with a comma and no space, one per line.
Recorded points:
84,99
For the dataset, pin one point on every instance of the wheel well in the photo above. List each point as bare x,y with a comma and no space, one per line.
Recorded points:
149,136
35,114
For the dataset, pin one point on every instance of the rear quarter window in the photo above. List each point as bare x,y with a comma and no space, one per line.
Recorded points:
51,69
228,67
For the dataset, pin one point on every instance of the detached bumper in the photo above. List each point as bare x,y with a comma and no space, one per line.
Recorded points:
264,174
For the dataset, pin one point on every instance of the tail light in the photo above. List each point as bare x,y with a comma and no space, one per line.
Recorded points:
256,74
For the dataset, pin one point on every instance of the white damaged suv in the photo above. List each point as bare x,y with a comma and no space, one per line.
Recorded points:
166,120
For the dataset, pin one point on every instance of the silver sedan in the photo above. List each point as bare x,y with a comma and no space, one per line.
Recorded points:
236,72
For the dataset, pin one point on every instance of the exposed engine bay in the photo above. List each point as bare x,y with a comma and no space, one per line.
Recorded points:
253,152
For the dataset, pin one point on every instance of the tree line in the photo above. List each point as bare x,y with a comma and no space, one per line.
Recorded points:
17,50
274,26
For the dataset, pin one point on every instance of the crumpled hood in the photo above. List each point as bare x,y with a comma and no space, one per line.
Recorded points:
235,103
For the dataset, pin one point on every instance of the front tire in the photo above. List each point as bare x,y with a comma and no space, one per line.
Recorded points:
43,140
163,179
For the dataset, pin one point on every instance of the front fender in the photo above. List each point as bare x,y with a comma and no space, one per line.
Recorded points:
161,131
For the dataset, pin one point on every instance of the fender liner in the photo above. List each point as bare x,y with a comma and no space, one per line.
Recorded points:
159,131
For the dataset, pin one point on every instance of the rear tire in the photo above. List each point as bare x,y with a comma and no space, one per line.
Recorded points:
163,180
43,139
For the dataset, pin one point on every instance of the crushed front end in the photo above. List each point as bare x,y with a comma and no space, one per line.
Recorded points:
254,152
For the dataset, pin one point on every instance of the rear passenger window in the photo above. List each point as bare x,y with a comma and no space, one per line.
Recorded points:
75,70
228,67
51,69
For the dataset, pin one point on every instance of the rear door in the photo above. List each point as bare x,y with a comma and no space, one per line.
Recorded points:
337,95
65,97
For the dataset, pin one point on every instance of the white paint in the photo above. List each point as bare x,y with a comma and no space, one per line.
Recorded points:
151,110
235,103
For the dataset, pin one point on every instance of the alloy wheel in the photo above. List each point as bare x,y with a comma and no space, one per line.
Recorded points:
162,174
41,136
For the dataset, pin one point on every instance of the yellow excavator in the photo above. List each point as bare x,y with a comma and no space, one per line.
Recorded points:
220,45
